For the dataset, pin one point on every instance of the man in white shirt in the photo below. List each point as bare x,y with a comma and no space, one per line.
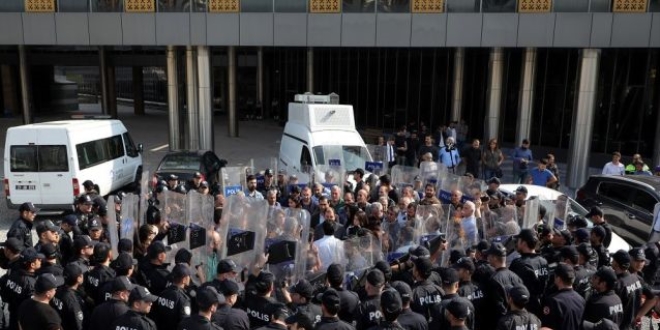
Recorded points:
331,249
615,167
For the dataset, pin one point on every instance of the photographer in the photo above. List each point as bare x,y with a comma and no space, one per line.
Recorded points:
449,155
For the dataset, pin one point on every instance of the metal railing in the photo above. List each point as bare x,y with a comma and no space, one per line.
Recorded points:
331,6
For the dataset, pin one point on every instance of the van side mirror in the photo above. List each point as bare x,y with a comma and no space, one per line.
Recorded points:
140,147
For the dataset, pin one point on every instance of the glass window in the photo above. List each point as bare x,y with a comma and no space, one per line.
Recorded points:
257,6
618,192
173,6
12,6
200,6
654,6
359,6
570,5
107,5
393,6
53,159
305,159
180,162
73,6
644,201
23,159
97,152
498,6
463,6
131,150
290,6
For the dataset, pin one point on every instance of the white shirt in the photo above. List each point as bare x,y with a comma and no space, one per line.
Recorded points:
612,169
331,250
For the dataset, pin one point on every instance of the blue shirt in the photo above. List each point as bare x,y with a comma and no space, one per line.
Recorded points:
446,157
520,153
540,178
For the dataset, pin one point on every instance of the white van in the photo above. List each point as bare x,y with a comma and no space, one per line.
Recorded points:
46,163
319,130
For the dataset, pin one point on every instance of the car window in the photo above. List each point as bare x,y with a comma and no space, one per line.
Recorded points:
618,192
180,162
644,201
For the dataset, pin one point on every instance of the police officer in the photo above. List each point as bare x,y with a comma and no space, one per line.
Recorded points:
83,211
483,270
277,313
68,230
207,300
258,298
496,298
330,306
173,304
19,285
425,293
583,270
301,295
596,216
100,274
83,250
531,268
231,318
458,311
268,183
173,184
299,321
628,288
106,313
450,280
47,232
598,234
349,300
518,317
68,303
195,182
604,303
152,271
140,301
11,253
407,318
225,270
466,287
35,313
563,309
22,227
50,264
368,313
391,307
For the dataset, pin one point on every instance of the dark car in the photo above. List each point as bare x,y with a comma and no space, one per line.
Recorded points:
185,163
627,202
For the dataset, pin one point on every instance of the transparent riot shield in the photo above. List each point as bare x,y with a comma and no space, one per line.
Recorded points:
562,208
232,180
331,175
471,188
403,176
144,195
500,222
130,214
174,212
360,254
530,214
375,162
243,229
111,229
200,238
450,184
287,252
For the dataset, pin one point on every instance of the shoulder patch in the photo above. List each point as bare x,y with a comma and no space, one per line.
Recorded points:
186,310
79,315
546,310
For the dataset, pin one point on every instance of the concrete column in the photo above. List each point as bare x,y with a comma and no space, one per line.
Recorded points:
104,80
583,117
310,70
112,92
173,98
495,64
25,85
191,89
260,81
138,91
457,96
231,91
526,98
204,98
9,96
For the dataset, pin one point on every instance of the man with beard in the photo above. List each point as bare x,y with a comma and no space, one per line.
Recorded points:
252,191
430,195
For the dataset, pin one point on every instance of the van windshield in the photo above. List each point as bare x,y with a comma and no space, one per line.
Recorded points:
42,158
351,157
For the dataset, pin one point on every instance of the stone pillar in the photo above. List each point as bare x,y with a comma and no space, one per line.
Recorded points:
260,81
173,99
495,65
191,96
204,98
583,118
526,98
103,80
457,95
9,95
138,91
231,91
310,70
25,85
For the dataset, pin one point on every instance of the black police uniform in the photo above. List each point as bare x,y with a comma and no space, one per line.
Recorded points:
385,325
22,230
520,319
47,267
172,306
96,279
18,287
533,271
348,303
629,289
438,320
231,318
313,310
412,321
368,313
272,326
472,292
333,323
496,296
153,277
482,272
82,263
198,322
106,313
582,282
603,255
424,295
34,315
652,269
256,308
605,305
134,320
68,303
563,310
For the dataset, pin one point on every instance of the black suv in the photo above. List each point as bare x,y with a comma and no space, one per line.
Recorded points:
627,203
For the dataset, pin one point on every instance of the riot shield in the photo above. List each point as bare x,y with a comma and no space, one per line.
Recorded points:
232,180
287,252
500,222
199,218
360,254
561,212
471,188
144,195
530,214
130,213
450,184
243,229
331,175
403,176
111,229
376,162
174,212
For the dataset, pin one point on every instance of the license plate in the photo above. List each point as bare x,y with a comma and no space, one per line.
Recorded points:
26,187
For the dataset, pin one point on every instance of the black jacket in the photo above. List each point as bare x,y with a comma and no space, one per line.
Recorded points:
96,280
533,271
424,295
134,320
629,289
257,309
22,230
368,313
606,305
496,296
412,321
16,288
197,322
333,323
348,303
68,303
154,277
563,310
519,320
172,306
231,318
106,313
438,320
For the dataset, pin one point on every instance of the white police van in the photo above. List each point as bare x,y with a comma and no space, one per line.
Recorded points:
46,163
